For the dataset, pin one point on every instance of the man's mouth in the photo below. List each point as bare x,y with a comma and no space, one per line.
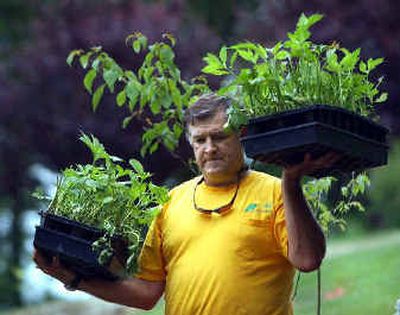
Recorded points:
213,160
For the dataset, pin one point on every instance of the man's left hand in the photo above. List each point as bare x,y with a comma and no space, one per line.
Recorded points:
309,166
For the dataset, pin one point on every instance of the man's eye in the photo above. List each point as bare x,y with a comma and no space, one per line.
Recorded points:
220,137
199,140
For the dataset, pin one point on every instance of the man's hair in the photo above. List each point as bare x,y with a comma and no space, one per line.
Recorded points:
205,107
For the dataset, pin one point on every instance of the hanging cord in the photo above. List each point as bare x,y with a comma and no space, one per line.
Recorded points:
296,286
319,291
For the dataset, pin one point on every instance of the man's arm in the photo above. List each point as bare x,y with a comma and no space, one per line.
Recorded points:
131,292
306,241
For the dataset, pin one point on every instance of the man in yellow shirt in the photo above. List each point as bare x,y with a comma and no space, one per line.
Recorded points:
228,241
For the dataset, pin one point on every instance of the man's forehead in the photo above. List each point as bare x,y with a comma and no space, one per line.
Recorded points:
196,130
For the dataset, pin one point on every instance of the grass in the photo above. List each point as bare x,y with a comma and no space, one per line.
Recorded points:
359,276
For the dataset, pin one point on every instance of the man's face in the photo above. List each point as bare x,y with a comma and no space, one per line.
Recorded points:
218,154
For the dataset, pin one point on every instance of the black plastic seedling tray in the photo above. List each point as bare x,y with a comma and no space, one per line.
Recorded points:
284,138
64,225
72,243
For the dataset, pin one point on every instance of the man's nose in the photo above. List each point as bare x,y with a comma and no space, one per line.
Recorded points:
209,145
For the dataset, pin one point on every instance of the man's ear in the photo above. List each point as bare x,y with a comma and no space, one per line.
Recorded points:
188,137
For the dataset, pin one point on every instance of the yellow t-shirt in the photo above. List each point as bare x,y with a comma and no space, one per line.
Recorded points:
230,264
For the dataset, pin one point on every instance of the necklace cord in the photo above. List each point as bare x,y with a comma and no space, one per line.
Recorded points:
221,209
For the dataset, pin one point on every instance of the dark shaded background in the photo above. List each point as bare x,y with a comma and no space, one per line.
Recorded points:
44,105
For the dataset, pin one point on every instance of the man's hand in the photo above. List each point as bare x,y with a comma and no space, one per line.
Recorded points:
53,267
309,166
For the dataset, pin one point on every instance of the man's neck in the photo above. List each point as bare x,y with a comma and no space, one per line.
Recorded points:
221,181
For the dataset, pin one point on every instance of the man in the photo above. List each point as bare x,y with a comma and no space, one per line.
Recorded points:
227,242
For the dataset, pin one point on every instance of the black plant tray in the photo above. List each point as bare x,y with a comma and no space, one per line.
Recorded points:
72,243
284,138
64,225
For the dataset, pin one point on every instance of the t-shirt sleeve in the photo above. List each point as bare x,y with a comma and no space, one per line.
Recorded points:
279,227
151,265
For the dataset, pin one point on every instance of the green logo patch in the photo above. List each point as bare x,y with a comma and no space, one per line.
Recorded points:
254,207
251,207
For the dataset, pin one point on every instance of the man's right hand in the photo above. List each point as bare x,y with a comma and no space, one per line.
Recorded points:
53,267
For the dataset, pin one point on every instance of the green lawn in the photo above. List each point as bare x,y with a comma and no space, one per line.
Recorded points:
363,277
360,276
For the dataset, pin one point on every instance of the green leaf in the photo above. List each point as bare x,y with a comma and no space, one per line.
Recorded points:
98,94
276,48
332,61
110,77
214,71
283,54
305,22
177,128
136,46
88,80
107,200
155,107
84,59
143,41
126,121
233,59
175,93
363,67
170,37
132,91
153,147
382,98
247,55
166,54
345,191
213,65
373,63
223,55
212,60
350,60
121,98
137,166
72,55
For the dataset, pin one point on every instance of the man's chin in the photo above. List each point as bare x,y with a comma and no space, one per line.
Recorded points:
213,171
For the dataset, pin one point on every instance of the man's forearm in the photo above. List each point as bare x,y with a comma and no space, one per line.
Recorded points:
305,237
130,292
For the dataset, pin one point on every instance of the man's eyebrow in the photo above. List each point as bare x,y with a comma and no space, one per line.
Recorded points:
211,133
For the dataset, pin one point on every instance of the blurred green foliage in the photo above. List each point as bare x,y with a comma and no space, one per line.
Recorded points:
384,192
14,18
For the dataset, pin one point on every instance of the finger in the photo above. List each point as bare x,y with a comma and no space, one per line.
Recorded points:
331,158
307,158
39,259
326,158
56,261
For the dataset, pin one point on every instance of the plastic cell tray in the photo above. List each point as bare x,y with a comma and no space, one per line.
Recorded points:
284,138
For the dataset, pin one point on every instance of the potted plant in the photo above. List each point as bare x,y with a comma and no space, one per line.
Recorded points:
280,84
97,218
300,96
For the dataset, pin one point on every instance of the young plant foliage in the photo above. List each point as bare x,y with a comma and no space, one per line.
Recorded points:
110,195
